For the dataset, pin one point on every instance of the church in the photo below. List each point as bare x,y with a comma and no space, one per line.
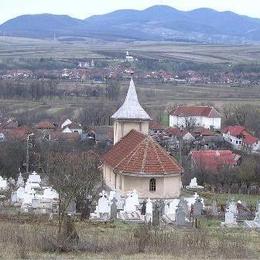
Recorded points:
136,161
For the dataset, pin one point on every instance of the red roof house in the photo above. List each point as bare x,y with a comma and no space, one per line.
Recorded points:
241,139
197,116
188,111
214,160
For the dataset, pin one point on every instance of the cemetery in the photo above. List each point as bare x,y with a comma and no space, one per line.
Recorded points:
141,223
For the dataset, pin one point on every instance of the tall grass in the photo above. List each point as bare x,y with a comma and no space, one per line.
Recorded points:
27,240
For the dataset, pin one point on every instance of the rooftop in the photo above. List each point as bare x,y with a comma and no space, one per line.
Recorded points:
205,111
214,159
131,108
139,154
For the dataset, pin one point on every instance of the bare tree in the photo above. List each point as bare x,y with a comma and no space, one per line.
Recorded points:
72,175
190,123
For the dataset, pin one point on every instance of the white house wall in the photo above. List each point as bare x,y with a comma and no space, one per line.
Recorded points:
200,121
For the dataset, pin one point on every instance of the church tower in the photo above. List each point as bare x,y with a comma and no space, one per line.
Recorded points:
130,116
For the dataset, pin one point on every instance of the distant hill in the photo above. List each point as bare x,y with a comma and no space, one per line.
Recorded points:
157,23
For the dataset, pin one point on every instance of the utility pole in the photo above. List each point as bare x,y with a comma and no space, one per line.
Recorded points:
180,146
27,152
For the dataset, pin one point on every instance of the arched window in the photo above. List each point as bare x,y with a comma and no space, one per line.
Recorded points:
152,186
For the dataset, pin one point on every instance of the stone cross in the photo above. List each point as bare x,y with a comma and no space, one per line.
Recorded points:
230,215
103,205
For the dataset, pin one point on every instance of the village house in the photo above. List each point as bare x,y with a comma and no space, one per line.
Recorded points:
136,161
213,160
178,133
241,139
71,127
195,116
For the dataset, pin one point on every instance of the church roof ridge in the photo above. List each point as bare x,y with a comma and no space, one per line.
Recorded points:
131,108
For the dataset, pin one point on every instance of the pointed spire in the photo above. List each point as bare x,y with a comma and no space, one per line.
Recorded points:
131,108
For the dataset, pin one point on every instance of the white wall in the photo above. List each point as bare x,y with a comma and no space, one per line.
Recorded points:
122,128
206,122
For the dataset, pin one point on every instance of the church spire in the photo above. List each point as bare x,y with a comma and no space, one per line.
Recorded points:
131,108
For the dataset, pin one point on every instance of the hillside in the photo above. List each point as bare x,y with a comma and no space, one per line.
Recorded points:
157,23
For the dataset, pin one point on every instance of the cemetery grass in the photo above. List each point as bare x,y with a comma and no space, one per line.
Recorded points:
223,198
32,237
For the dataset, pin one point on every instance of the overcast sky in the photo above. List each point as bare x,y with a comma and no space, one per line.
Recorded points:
84,8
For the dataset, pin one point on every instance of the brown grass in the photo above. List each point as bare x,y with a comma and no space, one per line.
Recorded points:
122,241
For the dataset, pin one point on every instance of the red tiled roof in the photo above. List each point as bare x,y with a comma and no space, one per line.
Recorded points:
248,138
155,125
203,131
19,133
234,130
174,131
137,153
205,111
45,125
214,160
238,130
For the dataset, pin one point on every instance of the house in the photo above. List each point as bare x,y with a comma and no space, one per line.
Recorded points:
200,132
136,161
184,134
195,116
213,160
14,134
241,139
45,125
71,127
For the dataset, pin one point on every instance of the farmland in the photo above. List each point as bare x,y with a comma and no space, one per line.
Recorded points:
153,94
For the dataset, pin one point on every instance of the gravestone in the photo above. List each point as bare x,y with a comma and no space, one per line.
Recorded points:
180,216
170,209
161,207
194,184
113,211
3,183
230,215
135,198
156,214
214,209
103,208
20,181
149,211
255,224
71,210
198,208
197,211
130,203
184,204
143,208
